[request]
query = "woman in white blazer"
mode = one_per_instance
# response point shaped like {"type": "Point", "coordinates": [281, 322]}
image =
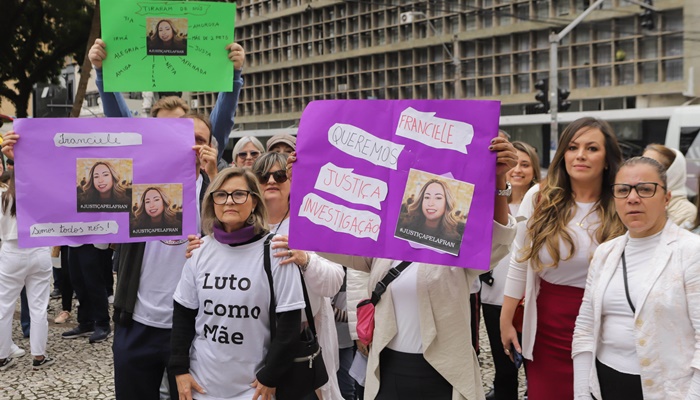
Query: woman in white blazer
{"type": "Point", "coordinates": [638, 329]}
{"type": "Point", "coordinates": [421, 348]}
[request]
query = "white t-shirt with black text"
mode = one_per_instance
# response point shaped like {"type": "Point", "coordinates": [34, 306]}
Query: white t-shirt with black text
{"type": "Point", "coordinates": [229, 287]}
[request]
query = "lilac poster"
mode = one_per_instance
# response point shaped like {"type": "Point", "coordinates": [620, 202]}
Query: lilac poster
{"type": "Point", "coordinates": [99, 180]}
{"type": "Point", "coordinates": [400, 179]}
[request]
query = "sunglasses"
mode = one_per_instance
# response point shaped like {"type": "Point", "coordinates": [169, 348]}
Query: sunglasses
{"type": "Point", "coordinates": [279, 177]}
{"type": "Point", "coordinates": [245, 154]}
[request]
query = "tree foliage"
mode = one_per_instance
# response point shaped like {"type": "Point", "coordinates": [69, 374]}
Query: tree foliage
{"type": "Point", "coordinates": [38, 35]}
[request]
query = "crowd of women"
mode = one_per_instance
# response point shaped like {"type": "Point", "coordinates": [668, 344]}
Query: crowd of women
{"type": "Point", "coordinates": [595, 281]}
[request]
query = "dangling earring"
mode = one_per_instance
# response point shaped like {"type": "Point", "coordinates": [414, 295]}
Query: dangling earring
{"type": "Point", "coordinates": [251, 218]}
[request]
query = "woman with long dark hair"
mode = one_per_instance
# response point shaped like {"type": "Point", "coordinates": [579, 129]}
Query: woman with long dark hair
{"type": "Point", "coordinates": [166, 37]}
{"type": "Point", "coordinates": [565, 218]}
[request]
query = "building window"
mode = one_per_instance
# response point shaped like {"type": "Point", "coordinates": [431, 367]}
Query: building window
{"type": "Point", "coordinates": [583, 79]}
{"type": "Point", "coordinates": [603, 76]}
{"type": "Point", "coordinates": [650, 72]}
{"type": "Point", "coordinates": [625, 74]}
{"type": "Point", "coordinates": [673, 70]}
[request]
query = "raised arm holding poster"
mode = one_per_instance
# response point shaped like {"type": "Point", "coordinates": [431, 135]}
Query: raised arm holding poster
{"type": "Point", "coordinates": [407, 180]}
{"type": "Point", "coordinates": [104, 180]}
{"type": "Point", "coordinates": [163, 46]}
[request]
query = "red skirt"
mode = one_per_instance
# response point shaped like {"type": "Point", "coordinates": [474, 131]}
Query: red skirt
{"type": "Point", "coordinates": [550, 376]}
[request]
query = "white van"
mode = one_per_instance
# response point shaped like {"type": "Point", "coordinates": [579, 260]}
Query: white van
{"type": "Point", "coordinates": [682, 134]}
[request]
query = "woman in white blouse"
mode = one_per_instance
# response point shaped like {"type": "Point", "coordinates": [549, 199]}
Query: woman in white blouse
{"type": "Point", "coordinates": [637, 332]}
{"type": "Point", "coordinates": [566, 217]}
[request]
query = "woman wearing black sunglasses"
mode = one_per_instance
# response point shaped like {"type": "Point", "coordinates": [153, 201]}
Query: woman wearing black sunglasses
{"type": "Point", "coordinates": [323, 278]}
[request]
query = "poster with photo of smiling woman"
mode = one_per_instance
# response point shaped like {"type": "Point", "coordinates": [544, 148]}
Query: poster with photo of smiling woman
{"type": "Point", "coordinates": [104, 184]}
{"type": "Point", "coordinates": [434, 211]}
{"type": "Point", "coordinates": [156, 211]}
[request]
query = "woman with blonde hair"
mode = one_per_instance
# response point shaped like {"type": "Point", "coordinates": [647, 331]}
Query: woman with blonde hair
{"type": "Point", "coordinates": [522, 177]}
{"type": "Point", "coordinates": [680, 210]}
{"type": "Point", "coordinates": [231, 355]}
{"type": "Point", "coordinates": [104, 186]}
{"type": "Point", "coordinates": [154, 210]}
{"type": "Point", "coordinates": [433, 212]}
{"type": "Point", "coordinates": [246, 151]}
{"type": "Point", "coordinates": [565, 217]}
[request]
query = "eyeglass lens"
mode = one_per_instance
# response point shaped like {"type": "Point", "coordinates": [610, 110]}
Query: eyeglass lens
{"type": "Point", "coordinates": [220, 197]}
{"type": "Point", "coordinates": [644, 190]}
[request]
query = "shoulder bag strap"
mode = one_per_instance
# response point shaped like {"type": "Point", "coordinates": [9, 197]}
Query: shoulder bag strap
{"type": "Point", "coordinates": [273, 302]}
{"type": "Point", "coordinates": [268, 272]}
{"type": "Point", "coordinates": [307, 308]}
{"type": "Point", "coordinates": [392, 274]}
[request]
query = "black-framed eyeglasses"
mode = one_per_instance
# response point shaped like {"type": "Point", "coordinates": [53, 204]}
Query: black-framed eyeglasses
{"type": "Point", "coordinates": [280, 176]}
{"type": "Point", "coordinates": [245, 154]}
{"type": "Point", "coordinates": [643, 189]}
{"type": "Point", "coordinates": [220, 197]}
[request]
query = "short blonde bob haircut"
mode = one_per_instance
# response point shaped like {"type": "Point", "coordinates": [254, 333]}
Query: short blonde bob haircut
{"type": "Point", "coordinates": [258, 218]}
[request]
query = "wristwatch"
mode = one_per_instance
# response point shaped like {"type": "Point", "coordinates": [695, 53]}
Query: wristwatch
{"type": "Point", "coordinates": [505, 192]}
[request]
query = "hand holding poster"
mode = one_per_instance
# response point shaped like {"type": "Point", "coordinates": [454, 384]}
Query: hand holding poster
{"type": "Point", "coordinates": [167, 45]}
{"type": "Point", "coordinates": [409, 180]}
{"type": "Point", "coordinates": [109, 180]}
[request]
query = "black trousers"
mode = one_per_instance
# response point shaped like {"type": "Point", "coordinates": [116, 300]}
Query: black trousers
{"type": "Point", "coordinates": [141, 354]}
{"type": "Point", "coordinates": [66, 285]}
{"type": "Point", "coordinates": [405, 376]}
{"type": "Point", "coordinates": [87, 264]}
{"type": "Point", "coordinates": [505, 383]}
{"type": "Point", "coordinates": [618, 385]}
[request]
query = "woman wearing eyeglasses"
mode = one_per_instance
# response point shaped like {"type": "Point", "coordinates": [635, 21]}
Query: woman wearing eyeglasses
{"type": "Point", "coordinates": [246, 151]}
{"type": "Point", "coordinates": [637, 334]}
{"type": "Point", "coordinates": [323, 278]}
{"type": "Point", "coordinates": [221, 344]}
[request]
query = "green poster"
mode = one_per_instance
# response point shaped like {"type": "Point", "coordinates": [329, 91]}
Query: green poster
{"type": "Point", "coordinates": [167, 46]}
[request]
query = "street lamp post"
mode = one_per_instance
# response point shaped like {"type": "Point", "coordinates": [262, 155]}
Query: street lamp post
{"type": "Point", "coordinates": [453, 57]}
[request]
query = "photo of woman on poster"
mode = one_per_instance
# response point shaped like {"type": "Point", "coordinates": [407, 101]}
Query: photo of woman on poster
{"type": "Point", "coordinates": [103, 190]}
{"type": "Point", "coordinates": [156, 214]}
{"type": "Point", "coordinates": [166, 39]}
{"type": "Point", "coordinates": [432, 219]}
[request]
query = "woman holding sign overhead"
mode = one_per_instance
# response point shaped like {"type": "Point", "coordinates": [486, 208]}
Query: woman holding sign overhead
{"type": "Point", "coordinates": [421, 347]}
{"type": "Point", "coordinates": [566, 217]}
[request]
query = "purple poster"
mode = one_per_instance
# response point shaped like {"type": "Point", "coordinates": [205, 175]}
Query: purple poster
{"type": "Point", "coordinates": [400, 179]}
{"type": "Point", "coordinates": [99, 180]}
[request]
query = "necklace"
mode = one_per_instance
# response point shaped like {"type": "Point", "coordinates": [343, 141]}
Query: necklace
{"type": "Point", "coordinates": [282, 220]}
{"type": "Point", "coordinates": [580, 223]}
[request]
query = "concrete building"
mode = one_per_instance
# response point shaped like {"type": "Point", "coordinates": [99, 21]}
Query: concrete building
{"type": "Point", "coordinates": [304, 50]}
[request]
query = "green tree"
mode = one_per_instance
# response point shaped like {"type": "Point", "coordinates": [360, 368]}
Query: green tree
{"type": "Point", "coordinates": [37, 36]}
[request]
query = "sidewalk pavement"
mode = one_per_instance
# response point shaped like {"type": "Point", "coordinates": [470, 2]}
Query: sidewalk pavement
{"type": "Point", "coordinates": [86, 371]}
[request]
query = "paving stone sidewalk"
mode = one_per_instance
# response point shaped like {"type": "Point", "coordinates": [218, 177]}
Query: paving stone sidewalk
{"type": "Point", "coordinates": [86, 371]}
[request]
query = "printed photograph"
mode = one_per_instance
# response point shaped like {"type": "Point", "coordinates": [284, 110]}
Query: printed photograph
{"type": "Point", "coordinates": [156, 210]}
{"type": "Point", "coordinates": [104, 184]}
{"type": "Point", "coordinates": [166, 36]}
{"type": "Point", "coordinates": [434, 211]}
